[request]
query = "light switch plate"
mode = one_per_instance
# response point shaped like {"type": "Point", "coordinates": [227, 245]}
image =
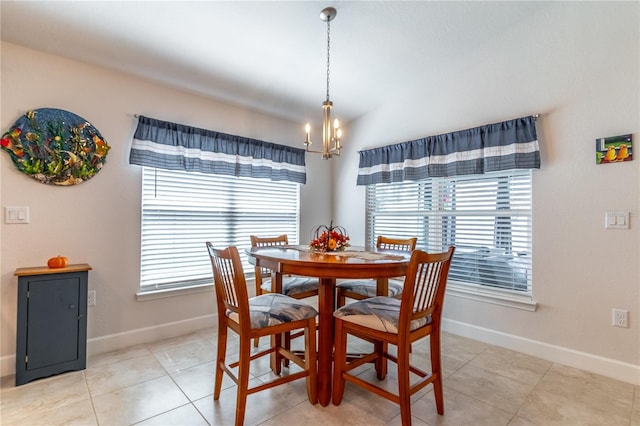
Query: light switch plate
{"type": "Point", "coordinates": [16, 215]}
{"type": "Point", "coordinates": [616, 220]}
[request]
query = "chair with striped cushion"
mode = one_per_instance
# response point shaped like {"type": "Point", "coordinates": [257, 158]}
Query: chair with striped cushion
{"type": "Point", "coordinates": [389, 321]}
{"type": "Point", "coordinates": [264, 315]}
{"type": "Point", "coordinates": [363, 289]}
{"type": "Point", "coordinates": [296, 287]}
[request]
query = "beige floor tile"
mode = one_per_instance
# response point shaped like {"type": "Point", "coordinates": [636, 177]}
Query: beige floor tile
{"type": "Point", "coordinates": [361, 400]}
{"type": "Point", "coordinates": [459, 409]}
{"type": "Point", "coordinates": [197, 382]}
{"type": "Point", "coordinates": [635, 413]}
{"type": "Point", "coordinates": [261, 406]}
{"type": "Point", "coordinates": [517, 366]}
{"type": "Point", "coordinates": [78, 413]}
{"type": "Point", "coordinates": [567, 395]}
{"type": "Point", "coordinates": [346, 414]}
{"type": "Point", "coordinates": [461, 348]}
{"type": "Point", "coordinates": [421, 358]}
{"type": "Point", "coordinates": [390, 383]}
{"type": "Point", "coordinates": [107, 358]}
{"type": "Point", "coordinates": [301, 414]}
{"type": "Point", "coordinates": [138, 402]}
{"type": "Point", "coordinates": [175, 342]}
{"type": "Point", "coordinates": [117, 375]}
{"type": "Point", "coordinates": [190, 353]}
{"type": "Point", "coordinates": [187, 415]}
{"type": "Point", "coordinates": [519, 421]}
{"type": "Point", "coordinates": [551, 409]}
{"type": "Point", "coordinates": [496, 390]}
{"type": "Point", "coordinates": [42, 395]}
{"type": "Point", "coordinates": [414, 421]}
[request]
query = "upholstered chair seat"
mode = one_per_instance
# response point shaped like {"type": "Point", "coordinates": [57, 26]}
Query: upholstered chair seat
{"type": "Point", "coordinates": [363, 289]}
{"type": "Point", "coordinates": [368, 288]}
{"type": "Point", "coordinates": [293, 286]}
{"type": "Point", "coordinates": [273, 309]}
{"type": "Point", "coordinates": [378, 313]}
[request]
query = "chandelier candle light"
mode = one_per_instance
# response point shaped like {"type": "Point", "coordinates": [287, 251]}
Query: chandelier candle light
{"type": "Point", "coordinates": [330, 134]}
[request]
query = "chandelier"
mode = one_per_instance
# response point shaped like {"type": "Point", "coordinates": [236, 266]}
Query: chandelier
{"type": "Point", "coordinates": [331, 134]}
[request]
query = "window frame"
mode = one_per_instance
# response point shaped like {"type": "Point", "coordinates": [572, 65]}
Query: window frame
{"type": "Point", "coordinates": [435, 207]}
{"type": "Point", "coordinates": [248, 206]}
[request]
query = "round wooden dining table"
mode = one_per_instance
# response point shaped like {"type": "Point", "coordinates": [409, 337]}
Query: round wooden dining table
{"type": "Point", "coordinates": [353, 263]}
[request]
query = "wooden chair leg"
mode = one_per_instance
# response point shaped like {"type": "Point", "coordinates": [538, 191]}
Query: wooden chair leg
{"type": "Point", "coordinates": [243, 379]}
{"type": "Point", "coordinates": [256, 342]}
{"type": "Point", "coordinates": [286, 343]}
{"type": "Point", "coordinates": [276, 356]}
{"type": "Point", "coordinates": [310, 361]}
{"type": "Point", "coordinates": [436, 370]}
{"type": "Point", "coordinates": [339, 361]}
{"type": "Point", "coordinates": [381, 362]}
{"type": "Point", "coordinates": [341, 300]}
{"type": "Point", "coordinates": [220, 360]}
{"type": "Point", "coordinates": [404, 392]}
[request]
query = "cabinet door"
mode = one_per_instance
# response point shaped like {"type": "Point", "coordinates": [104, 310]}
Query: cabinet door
{"type": "Point", "coordinates": [53, 327]}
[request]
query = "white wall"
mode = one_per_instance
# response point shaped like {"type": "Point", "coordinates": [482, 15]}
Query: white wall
{"type": "Point", "coordinates": [576, 63]}
{"type": "Point", "coordinates": [98, 222]}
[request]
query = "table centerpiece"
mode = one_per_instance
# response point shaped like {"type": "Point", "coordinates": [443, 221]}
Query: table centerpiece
{"type": "Point", "coordinates": [329, 238]}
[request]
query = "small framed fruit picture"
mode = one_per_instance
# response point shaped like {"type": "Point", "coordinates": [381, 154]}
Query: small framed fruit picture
{"type": "Point", "coordinates": [614, 149]}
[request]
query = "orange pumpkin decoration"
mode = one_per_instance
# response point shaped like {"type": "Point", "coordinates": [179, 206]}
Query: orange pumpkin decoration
{"type": "Point", "coordinates": [57, 262]}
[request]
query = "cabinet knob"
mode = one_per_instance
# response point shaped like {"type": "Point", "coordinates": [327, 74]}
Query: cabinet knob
{"type": "Point", "coordinates": [72, 306]}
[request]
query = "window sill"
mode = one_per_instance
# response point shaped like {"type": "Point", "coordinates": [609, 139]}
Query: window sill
{"type": "Point", "coordinates": [144, 296]}
{"type": "Point", "coordinates": [494, 296]}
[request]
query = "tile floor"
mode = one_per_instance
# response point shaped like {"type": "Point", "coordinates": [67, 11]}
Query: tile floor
{"type": "Point", "coordinates": [170, 382]}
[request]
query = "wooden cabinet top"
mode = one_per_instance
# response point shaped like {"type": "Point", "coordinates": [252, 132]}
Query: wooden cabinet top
{"type": "Point", "coordinates": [43, 270]}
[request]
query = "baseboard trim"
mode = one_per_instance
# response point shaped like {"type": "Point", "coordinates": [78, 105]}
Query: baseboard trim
{"type": "Point", "coordinates": [128, 338]}
{"type": "Point", "coordinates": [138, 336]}
{"type": "Point", "coordinates": [584, 361]}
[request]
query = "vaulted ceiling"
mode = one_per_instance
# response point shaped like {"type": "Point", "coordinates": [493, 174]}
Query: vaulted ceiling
{"type": "Point", "coordinates": [271, 55]}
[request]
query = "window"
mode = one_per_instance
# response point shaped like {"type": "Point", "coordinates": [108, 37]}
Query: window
{"type": "Point", "coordinates": [487, 217]}
{"type": "Point", "coordinates": [182, 210]}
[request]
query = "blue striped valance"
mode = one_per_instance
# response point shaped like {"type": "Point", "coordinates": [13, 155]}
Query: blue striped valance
{"type": "Point", "coordinates": [172, 146]}
{"type": "Point", "coordinates": [507, 145]}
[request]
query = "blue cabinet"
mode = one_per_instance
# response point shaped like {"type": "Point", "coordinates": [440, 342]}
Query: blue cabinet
{"type": "Point", "coordinates": [52, 321]}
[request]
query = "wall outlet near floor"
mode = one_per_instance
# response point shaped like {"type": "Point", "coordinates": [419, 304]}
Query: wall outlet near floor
{"type": "Point", "coordinates": [620, 318]}
{"type": "Point", "coordinates": [91, 298]}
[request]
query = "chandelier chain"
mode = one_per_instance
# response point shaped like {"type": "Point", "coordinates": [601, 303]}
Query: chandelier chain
{"type": "Point", "coordinates": [328, 57]}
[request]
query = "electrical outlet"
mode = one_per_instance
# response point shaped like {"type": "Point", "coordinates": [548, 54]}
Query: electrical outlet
{"type": "Point", "coordinates": [91, 298]}
{"type": "Point", "coordinates": [620, 318]}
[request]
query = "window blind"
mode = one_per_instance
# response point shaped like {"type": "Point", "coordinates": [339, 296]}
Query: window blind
{"type": "Point", "coordinates": [487, 217]}
{"type": "Point", "coordinates": [182, 210]}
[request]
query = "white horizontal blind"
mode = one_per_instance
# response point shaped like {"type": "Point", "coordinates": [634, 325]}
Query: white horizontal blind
{"type": "Point", "coordinates": [182, 210]}
{"type": "Point", "coordinates": [487, 217]}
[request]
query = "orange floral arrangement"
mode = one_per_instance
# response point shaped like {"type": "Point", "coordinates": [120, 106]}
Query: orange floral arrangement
{"type": "Point", "coordinates": [329, 238]}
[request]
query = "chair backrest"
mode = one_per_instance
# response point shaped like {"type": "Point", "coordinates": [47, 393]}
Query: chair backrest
{"type": "Point", "coordinates": [229, 281]}
{"type": "Point", "coordinates": [424, 287]}
{"type": "Point", "coordinates": [408, 244]}
{"type": "Point", "coordinates": [280, 240]}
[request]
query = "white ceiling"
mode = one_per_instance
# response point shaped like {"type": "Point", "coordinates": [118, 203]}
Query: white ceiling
{"type": "Point", "coordinates": [271, 55]}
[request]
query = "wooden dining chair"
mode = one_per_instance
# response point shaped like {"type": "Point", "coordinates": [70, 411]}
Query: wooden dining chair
{"type": "Point", "coordinates": [296, 287]}
{"type": "Point", "coordinates": [264, 315]}
{"type": "Point", "coordinates": [363, 289]}
{"type": "Point", "coordinates": [389, 321]}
